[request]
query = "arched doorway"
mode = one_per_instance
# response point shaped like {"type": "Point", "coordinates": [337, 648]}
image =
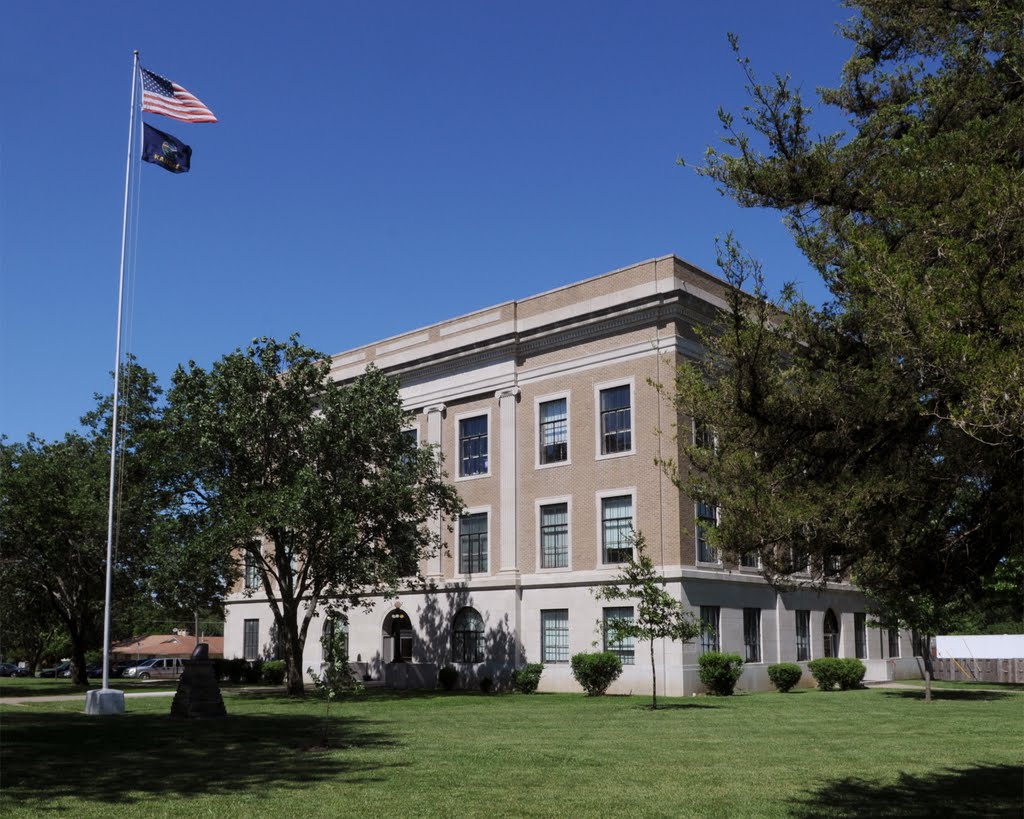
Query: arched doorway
{"type": "Point", "coordinates": [397, 637]}
{"type": "Point", "coordinates": [830, 632]}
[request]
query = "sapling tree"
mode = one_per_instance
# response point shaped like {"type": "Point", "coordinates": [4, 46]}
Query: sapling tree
{"type": "Point", "coordinates": [657, 614]}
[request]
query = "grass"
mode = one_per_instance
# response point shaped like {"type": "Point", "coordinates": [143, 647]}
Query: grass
{"type": "Point", "coordinates": [803, 754]}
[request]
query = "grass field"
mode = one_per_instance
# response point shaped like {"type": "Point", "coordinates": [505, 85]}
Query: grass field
{"type": "Point", "coordinates": [803, 754]}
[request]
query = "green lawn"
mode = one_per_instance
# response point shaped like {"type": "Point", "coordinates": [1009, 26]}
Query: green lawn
{"type": "Point", "coordinates": [804, 754]}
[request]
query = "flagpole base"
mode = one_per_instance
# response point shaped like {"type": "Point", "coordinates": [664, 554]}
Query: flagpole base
{"type": "Point", "coordinates": [102, 701]}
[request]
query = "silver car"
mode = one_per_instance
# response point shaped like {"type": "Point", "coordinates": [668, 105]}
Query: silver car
{"type": "Point", "coordinates": [157, 668]}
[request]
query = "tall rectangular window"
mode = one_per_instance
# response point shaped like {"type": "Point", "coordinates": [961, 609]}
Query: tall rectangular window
{"type": "Point", "coordinates": [709, 621]}
{"type": "Point", "coordinates": [707, 516]}
{"type": "Point", "coordinates": [473, 543]}
{"type": "Point", "coordinates": [554, 536]}
{"type": "Point", "coordinates": [860, 635]}
{"type": "Point", "coordinates": [473, 446]}
{"type": "Point", "coordinates": [803, 635]}
{"type": "Point", "coordinates": [554, 431]}
{"type": "Point", "coordinates": [752, 635]}
{"type": "Point", "coordinates": [617, 528]}
{"type": "Point", "coordinates": [750, 560]}
{"type": "Point", "coordinates": [616, 420]}
{"type": "Point", "coordinates": [703, 435]}
{"type": "Point", "coordinates": [252, 575]}
{"type": "Point", "coordinates": [894, 642]}
{"type": "Point", "coordinates": [623, 646]}
{"type": "Point", "coordinates": [251, 639]}
{"type": "Point", "coordinates": [554, 636]}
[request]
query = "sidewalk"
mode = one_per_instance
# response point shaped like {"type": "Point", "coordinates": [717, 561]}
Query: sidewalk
{"type": "Point", "coordinates": [80, 696]}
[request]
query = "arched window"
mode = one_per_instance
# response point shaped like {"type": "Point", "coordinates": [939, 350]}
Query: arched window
{"type": "Point", "coordinates": [468, 637]}
{"type": "Point", "coordinates": [830, 632]}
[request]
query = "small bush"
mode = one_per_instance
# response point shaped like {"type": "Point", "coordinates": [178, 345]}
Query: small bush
{"type": "Point", "coordinates": [486, 684]}
{"type": "Point", "coordinates": [526, 679]}
{"type": "Point", "coordinates": [785, 676]}
{"type": "Point", "coordinates": [234, 669]}
{"type": "Point", "coordinates": [829, 672]}
{"type": "Point", "coordinates": [448, 677]}
{"type": "Point", "coordinates": [252, 672]}
{"type": "Point", "coordinates": [273, 672]}
{"type": "Point", "coordinates": [596, 671]}
{"type": "Point", "coordinates": [852, 673]}
{"type": "Point", "coordinates": [720, 672]}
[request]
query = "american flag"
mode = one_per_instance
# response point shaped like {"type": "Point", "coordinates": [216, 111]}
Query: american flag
{"type": "Point", "coordinates": [160, 96]}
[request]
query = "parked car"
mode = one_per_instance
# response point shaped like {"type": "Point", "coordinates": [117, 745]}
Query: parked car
{"type": "Point", "coordinates": [62, 670]}
{"type": "Point", "coordinates": [11, 670]}
{"type": "Point", "coordinates": [157, 668]}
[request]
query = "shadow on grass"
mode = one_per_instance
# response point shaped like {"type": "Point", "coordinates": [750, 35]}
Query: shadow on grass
{"type": "Point", "coordinates": [677, 706]}
{"type": "Point", "coordinates": [127, 759]}
{"type": "Point", "coordinates": [949, 694]}
{"type": "Point", "coordinates": [985, 790]}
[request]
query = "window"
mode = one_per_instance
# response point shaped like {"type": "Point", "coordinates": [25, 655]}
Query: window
{"type": "Point", "coordinates": [616, 426]}
{"type": "Point", "coordinates": [554, 431]}
{"type": "Point", "coordinates": [554, 636]}
{"type": "Point", "coordinates": [468, 637]}
{"type": "Point", "coordinates": [617, 528]}
{"type": "Point", "coordinates": [252, 574]}
{"type": "Point", "coordinates": [623, 647]}
{"type": "Point", "coordinates": [473, 543]}
{"type": "Point", "coordinates": [335, 636]}
{"type": "Point", "coordinates": [709, 619]}
{"type": "Point", "coordinates": [473, 446]}
{"type": "Point", "coordinates": [707, 516]}
{"type": "Point", "coordinates": [703, 435]}
{"type": "Point", "coordinates": [860, 635]}
{"type": "Point", "coordinates": [803, 635]}
{"type": "Point", "coordinates": [830, 634]}
{"type": "Point", "coordinates": [251, 639]}
{"type": "Point", "coordinates": [749, 560]}
{"type": "Point", "coordinates": [894, 642]}
{"type": "Point", "coordinates": [752, 635]}
{"type": "Point", "coordinates": [554, 536]}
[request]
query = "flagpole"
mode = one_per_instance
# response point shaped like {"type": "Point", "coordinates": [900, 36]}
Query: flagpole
{"type": "Point", "coordinates": [114, 703]}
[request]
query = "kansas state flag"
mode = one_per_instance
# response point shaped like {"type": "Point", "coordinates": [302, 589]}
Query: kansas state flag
{"type": "Point", "coordinates": [169, 152]}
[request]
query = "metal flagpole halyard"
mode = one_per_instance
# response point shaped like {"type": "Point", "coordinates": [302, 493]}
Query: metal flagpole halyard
{"type": "Point", "coordinates": [107, 701]}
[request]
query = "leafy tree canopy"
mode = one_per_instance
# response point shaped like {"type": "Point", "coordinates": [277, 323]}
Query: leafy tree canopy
{"type": "Point", "coordinates": [314, 485]}
{"type": "Point", "coordinates": [883, 433]}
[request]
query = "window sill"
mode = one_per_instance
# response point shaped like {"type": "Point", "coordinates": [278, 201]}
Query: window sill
{"type": "Point", "coordinates": [607, 456]}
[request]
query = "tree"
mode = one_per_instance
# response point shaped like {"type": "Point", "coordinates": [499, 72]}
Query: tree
{"type": "Point", "coordinates": [316, 485]}
{"type": "Point", "coordinates": [881, 435]}
{"type": "Point", "coordinates": [54, 499]}
{"type": "Point", "coordinates": [657, 614]}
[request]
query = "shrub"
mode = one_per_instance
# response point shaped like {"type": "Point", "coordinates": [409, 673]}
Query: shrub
{"type": "Point", "coordinates": [234, 669]}
{"type": "Point", "coordinates": [852, 673]}
{"type": "Point", "coordinates": [596, 671]}
{"type": "Point", "coordinates": [252, 672]}
{"type": "Point", "coordinates": [785, 676]}
{"type": "Point", "coordinates": [720, 672]}
{"type": "Point", "coordinates": [526, 679]}
{"type": "Point", "coordinates": [273, 672]}
{"type": "Point", "coordinates": [448, 677]}
{"type": "Point", "coordinates": [829, 672]}
{"type": "Point", "coordinates": [486, 684]}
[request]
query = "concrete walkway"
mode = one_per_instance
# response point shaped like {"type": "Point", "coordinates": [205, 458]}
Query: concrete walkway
{"type": "Point", "coordinates": [81, 696]}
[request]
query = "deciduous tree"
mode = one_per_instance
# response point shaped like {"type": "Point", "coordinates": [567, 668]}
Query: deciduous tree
{"type": "Point", "coordinates": [315, 484]}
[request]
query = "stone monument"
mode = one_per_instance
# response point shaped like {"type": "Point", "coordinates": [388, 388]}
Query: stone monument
{"type": "Point", "coordinates": [198, 695]}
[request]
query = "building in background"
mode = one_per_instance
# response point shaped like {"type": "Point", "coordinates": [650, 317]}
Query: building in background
{"type": "Point", "coordinates": [551, 429]}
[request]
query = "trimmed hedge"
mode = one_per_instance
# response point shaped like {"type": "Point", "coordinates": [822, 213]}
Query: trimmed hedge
{"type": "Point", "coordinates": [829, 672]}
{"type": "Point", "coordinates": [273, 672]}
{"type": "Point", "coordinates": [526, 679]}
{"type": "Point", "coordinates": [596, 671]}
{"type": "Point", "coordinates": [486, 684]}
{"type": "Point", "coordinates": [720, 672]}
{"type": "Point", "coordinates": [448, 677]}
{"type": "Point", "coordinates": [785, 676]}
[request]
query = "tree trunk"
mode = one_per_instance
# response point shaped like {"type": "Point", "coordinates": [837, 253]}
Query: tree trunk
{"type": "Point", "coordinates": [78, 673]}
{"type": "Point", "coordinates": [293, 648]}
{"type": "Point", "coordinates": [654, 680]}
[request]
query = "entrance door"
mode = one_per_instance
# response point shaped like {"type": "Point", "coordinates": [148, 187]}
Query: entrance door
{"type": "Point", "coordinates": [397, 637]}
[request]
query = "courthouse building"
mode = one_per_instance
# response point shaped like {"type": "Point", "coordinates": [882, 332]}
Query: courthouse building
{"type": "Point", "coordinates": [551, 431]}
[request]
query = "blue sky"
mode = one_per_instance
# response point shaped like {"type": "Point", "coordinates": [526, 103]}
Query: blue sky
{"type": "Point", "coordinates": [377, 167]}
